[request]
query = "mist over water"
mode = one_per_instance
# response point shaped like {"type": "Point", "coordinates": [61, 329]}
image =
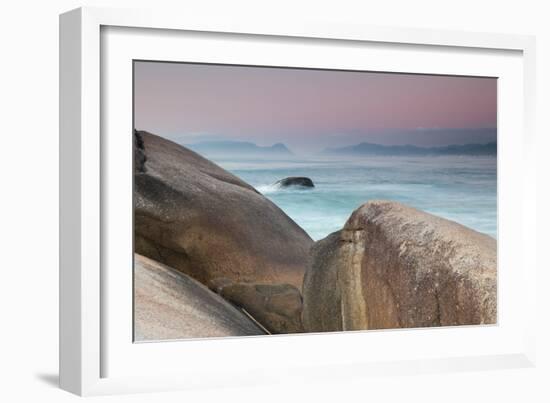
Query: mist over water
{"type": "Point", "coordinates": [459, 188]}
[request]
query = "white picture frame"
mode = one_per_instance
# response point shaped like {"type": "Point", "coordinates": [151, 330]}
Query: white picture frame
{"type": "Point", "coordinates": [96, 356]}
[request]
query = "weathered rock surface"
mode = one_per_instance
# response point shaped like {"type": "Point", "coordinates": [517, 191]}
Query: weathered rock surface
{"type": "Point", "coordinates": [198, 218]}
{"type": "Point", "coordinates": [170, 305]}
{"type": "Point", "coordinates": [277, 307]}
{"type": "Point", "coordinates": [393, 266]}
{"type": "Point", "coordinates": [298, 181]}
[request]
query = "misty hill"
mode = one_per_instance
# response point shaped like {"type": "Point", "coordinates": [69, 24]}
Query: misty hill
{"type": "Point", "coordinates": [239, 148]}
{"type": "Point", "coordinates": [396, 150]}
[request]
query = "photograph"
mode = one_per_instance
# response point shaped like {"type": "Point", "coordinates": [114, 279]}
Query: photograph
{"type": "Point", "coordinates": [272, 200]}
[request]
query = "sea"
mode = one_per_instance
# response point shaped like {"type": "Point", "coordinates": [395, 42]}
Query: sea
{"type": "Point", "coordinates": [459, 188]}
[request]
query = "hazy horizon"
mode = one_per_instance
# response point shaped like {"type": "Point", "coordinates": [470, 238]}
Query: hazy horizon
{"type": "Point", "coordinates": [310, 110]}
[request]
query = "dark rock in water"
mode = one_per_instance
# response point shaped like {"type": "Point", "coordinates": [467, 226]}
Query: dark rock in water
{"type": "Point", "coordinates": [393, 266]}
{"type": "Point", "coordinates": [170, 305]}
{"type": "Point", "coordinates": [194, 216]}
{"type": "Point", "coordinates": [277, 307]}
{"type": "Point", "coordinates": [300, 181]}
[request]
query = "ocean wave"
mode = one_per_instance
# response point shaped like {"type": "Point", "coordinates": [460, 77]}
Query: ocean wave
{"type": "Point", "coordinates": [276, 188]}
{"type": "Point", "coordinates": [268, 189]}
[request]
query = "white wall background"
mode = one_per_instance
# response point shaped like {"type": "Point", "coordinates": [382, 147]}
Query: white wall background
{"type": "Point", "coordinates": [29, 201]}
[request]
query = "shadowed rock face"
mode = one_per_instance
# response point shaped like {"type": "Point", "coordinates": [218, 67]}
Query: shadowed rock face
{"type": "Point", "coordinates": [277, 307]}
{"type": "Point", "coordinates": [393, 266]}
{"type": "Point", "coordinates": [295, 181]}
{"type": "Point", "coordinates": [170, 305]}
{"type": "Point", "coordinates": [198, 218]}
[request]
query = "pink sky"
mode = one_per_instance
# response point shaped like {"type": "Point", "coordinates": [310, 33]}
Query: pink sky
{"type": "Point", "coordinates": [306, 108]}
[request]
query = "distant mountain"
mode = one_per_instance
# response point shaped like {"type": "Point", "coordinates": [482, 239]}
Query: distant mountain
{"type": "Point", "coordinates": [239, 148]}
{"type": "Point", "coordinates": [379, 149]}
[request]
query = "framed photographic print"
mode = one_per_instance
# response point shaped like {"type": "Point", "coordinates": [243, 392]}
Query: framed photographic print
{"type": "Point", "coordinates": [240, 198]}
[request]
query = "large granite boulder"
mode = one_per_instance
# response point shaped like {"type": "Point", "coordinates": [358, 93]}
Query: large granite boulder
{"type": "Point", "coordinates": [170, 305]}
{"type": "Point", "coordinates": [393, 266]}
{"type": "Point", "coordinates": [277, 307]}
{"type": "Point", "coordinates": [198, 218]}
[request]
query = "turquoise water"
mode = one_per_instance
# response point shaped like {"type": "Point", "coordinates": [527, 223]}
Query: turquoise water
{"type": "Point", "coordinates": [460, 188]}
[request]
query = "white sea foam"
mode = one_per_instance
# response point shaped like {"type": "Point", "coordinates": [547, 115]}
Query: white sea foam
{"type": "Point", "coordinates": [268, 189]}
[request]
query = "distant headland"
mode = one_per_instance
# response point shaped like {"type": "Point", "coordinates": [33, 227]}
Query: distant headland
{"type": "Point", "coordinates": [396, 150]}
{"type": "Point", "coordinates": [239, 148]}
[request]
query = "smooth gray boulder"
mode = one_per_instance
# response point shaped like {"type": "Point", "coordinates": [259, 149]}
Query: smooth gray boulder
{"type": "Point", "coordinates": [198, 218]}
{"type": "Point", "coordinates": [393, 266]}
{"type": "Point", "coordinates": [170, 305]}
